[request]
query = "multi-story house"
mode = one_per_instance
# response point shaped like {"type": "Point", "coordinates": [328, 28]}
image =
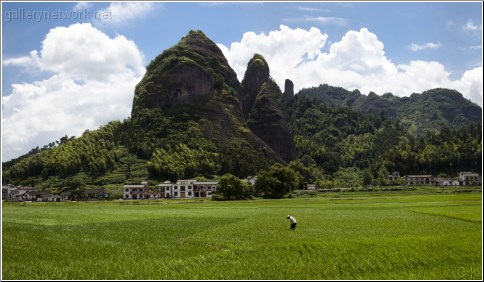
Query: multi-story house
{"type": "Point", "coordinates": [187, 188]}
{"type": "Point", "coordinates": [204, 189]}
{"type": "Point", "coordinates": [139, 191]}
{"type": "Point", "coordinates": [8, 192]}
{"type": "Point", "coordinates": [420, 180]}
{"type": "Point", "coordinates": [469, 178]}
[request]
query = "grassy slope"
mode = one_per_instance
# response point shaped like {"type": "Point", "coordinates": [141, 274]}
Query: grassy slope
{"type": "Point", "coordinates": [339, 236]}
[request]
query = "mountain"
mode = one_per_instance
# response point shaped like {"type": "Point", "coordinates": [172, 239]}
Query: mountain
{"type": "Point", "coordinates": [261, 101]}
{"type": "Point", "coordinates": [193, 82]}
{"type": "Point", "coordinates": [431, 110]}
{"type": "Point", "coordinates": [191, 117]}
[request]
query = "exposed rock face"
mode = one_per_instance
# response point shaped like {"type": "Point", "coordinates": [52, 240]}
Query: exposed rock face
{"type": "Point", "coordinates": [188, 74]}
{"type": "Point", "coordinates": [288, 95]}
{"type": "Point", "coordinates": [267, 122]}
{"type": "Point", "coordinates": [262, 108]}
{"type": "Point", "coordinates": [194, 80]}
{"type": "Point", "coordinates": [257, 73]}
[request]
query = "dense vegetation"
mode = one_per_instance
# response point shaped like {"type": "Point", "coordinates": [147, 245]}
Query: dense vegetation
{"type": "Point", "coordinates": [445, 152]}
{"type": "Point", "coordinates": [230, 187]}
{"type": "Point", "coordinates": [431, 110]}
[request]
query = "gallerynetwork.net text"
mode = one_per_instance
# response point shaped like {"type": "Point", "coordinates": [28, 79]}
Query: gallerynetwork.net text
{"type": "Point", "coordinates": [40, 15]}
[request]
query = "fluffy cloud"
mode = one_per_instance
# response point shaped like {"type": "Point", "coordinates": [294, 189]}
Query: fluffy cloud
{"type": "Point", "coordinates": [285, 49]}
{"type": "Point", "coordinates": [357, 61]}
{"type": "Point", "coordinates": [92, 83]}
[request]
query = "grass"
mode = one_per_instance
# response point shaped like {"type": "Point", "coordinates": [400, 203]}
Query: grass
{"type": "Point", "coordinates": [339, 236]}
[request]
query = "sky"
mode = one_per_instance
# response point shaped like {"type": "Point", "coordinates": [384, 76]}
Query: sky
{"type": "Point", "coordinates": [72, 66]}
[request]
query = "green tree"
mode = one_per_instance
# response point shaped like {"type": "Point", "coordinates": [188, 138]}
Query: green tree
{"type": "Point", "coordinates": [382, 176]}
{"type": "Point", "coordinates": [276, 182]}
{"type": "Point", "coordinates": [232, 188]}
{"type": "Point", "coordinates": [367, 177]}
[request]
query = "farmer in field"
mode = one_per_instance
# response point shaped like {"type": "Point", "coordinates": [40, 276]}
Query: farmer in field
{"type": "Point", "coordinates": [293, 222]}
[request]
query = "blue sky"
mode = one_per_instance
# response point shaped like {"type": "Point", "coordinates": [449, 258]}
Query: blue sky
{"type": "Point", "coordinates": [377, 46]}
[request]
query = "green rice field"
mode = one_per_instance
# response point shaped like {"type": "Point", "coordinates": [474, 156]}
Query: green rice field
{"type": "Point", "coordinates": [338, 236]}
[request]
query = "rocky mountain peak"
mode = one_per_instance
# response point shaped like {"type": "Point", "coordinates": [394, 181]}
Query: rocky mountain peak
{"type": "Point", "coordinates": [288, 94]}
{"type": "Point", "coordinates": [261, 104]}
{"type": "Point", "coordinates": [256, 74]}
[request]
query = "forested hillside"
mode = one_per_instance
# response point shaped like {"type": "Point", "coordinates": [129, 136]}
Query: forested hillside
{"type": "Point", "coordinates": [431, 110]}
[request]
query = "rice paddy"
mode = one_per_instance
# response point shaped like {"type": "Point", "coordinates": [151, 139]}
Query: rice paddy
{"type": "Point", "coordinates": [338, 236]}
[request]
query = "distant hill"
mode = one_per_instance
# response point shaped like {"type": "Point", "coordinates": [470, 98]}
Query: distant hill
{"type": "Point", "coordinates": [431, 110]}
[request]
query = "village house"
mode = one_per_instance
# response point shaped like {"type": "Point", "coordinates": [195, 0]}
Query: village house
{"type": "Point", "coordinates": [204, 189]}
{"type": "Point", "coordinates": [38, 196]}
{"type": "Point", "coordinates": [181, 189]}
{"type": "Point", "coordinates": [187, 188]}
{"type": "Point", "coordinates": [469, 178]}
{"type": "Point", "coordinates": [135, 192]}
{"type": "Point", "coordinates": [12, 193]}
{"type": "Point", "coordinates": [8, 192]}
{"type": "Point", "coordinates": [20, 193]}
{"type": "Point", "coordinates": [420, 180]}
{"type": "Point", "coordinates": [65, 196]}
{"type": "Point", "coordinates": [164, 189]}
{"type": "Point", "coordinates": [443, 181]}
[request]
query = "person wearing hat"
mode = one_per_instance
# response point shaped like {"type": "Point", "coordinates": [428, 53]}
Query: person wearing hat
{"type": "Point", "coordinates": [293, 221]}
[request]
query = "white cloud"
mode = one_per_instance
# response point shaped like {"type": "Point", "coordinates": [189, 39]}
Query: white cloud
{"type": "Point", "coordinates": [120, 13]}
{"type": "Point", "coordinates": [43, 111]}
{"type": "Point", "coordinates": [470, 26]}
{"type": "Point", "coordinates": [470, 84]}
{"type": "Point", "coordinates": [285, 49]}
{"type": "Point", "coordinates": [357, 61]}
{"type": "Point", "coordinates": [320, 20]}
{"type": "Point", "coordinates": [327, 20]}
{"type": "Point", "coordinates": [311, 9]}
{"type": "Point", "coordinates": [19, 61]}
{"type": "Point", "coordinates": [70, 51]}
{"type": "Point", "coordinates": [418, 47]}
{"type": "Point", "coordinates": [29, 64]}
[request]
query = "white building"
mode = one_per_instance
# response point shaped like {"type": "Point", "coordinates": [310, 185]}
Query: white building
{"type": "Point", "coordinates": [187, 188]}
